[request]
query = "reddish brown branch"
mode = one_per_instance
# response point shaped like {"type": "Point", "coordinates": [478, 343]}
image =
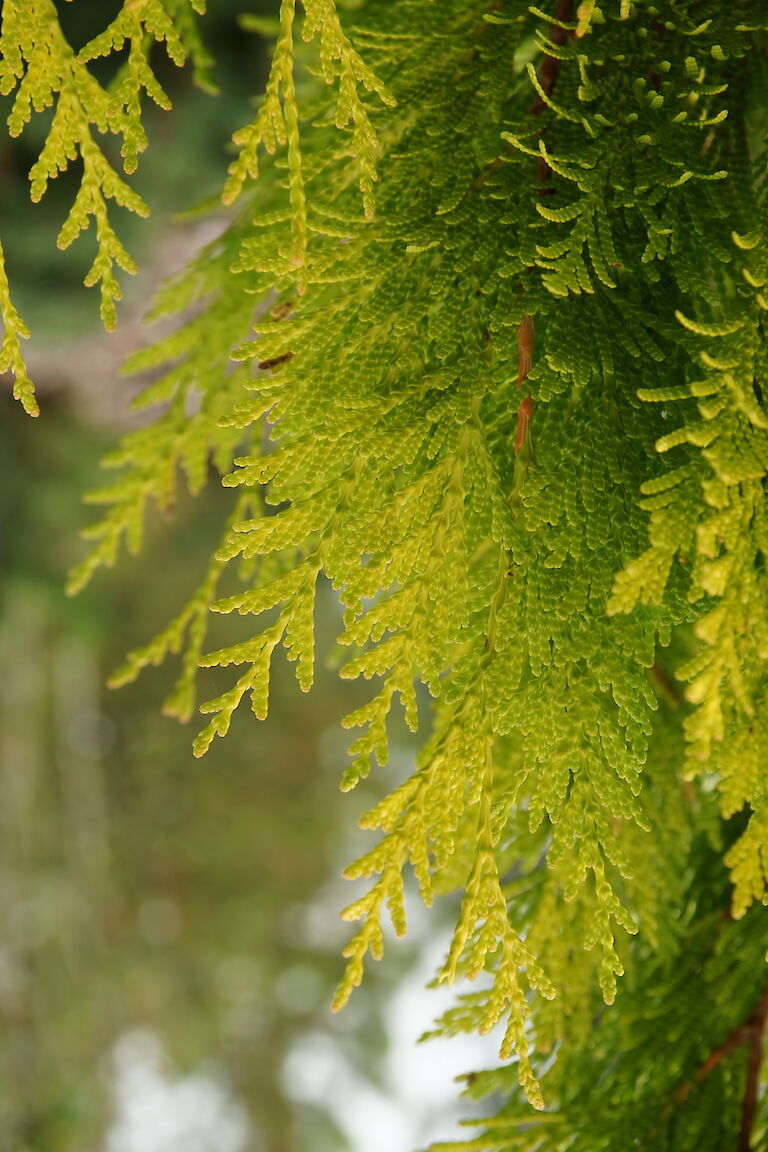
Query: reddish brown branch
{"type": "Point", "coordinates": [738, 1037]}
{"type": "Point", "coordinates": [549, 70]}
{"type": "Point", "coordinates": [753, 1034]}
{"type": "Point", "coordinates": [757, 1025]}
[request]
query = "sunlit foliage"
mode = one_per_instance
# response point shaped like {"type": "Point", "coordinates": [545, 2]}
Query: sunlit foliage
{"type": "Point", "coordinates": [499, 295]}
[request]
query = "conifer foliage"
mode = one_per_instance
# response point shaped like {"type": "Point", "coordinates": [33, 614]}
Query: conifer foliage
{"type": "Point", "coordinates": [499, 296]}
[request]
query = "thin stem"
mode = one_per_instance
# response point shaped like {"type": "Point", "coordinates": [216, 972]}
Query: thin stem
{"type": "Point", "coordinates": [738, 1037]}
{"type": "Point", "coordinates": [753, 1034]}
{"type": "Point", "coordinates": [757, 1025]}
{"type": "Point", "coordinates": [549, 70]}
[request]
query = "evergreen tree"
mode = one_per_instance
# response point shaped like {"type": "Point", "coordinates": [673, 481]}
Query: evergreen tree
{"type": "Point", "coordinates": [498, 295]}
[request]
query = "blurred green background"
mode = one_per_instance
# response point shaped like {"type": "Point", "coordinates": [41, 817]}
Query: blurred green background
{"type": "Point", "coordinates": [141, 888]}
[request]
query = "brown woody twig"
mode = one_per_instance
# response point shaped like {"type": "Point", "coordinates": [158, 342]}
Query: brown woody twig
{"type": "Point", "coordinates": [549, 70]}
{"type": "Point", "coordinates": [753, 1034]}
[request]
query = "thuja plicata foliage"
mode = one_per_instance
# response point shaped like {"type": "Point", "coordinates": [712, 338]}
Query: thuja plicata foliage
{"type": "Point", "coordinates": [483, 346]}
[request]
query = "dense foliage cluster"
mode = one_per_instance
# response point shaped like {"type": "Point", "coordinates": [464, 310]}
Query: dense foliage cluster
{"type": "Point", "coordinates": [500, 297]}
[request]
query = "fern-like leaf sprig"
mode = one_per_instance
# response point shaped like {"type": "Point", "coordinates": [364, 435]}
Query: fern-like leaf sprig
{"type": "Point", "coordinates": [42, 68]}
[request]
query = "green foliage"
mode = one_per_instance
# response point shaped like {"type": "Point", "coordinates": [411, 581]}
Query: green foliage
{"type": "Point", "coordinates": [11, 358]}
{"type": "Point", "coordinates": [500, 298]}
{"type": "Point", "coordinates": [39, 65]}
{"type": "Point", "coordinates": [121, 824]}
